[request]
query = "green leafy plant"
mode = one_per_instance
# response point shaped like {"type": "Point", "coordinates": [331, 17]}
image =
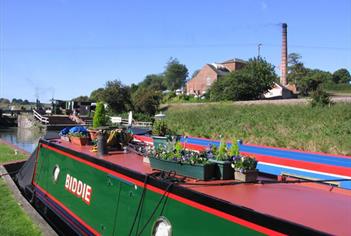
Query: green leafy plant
{"type": "Point", "coordinates": [222, 151]}
{"type": "Point", "coordinates": [100, 118]}
{"type": "Point", "coordinates": [173, 151]}
{"type": "Point", "coordinates": [234, 149]}
{"type": "Point", "coordinates": [160, 128]}
{"type": "Point", "coordinates": [320, 98]}
{"type": "Point", "coordinates": [78, 135]}
{"type": "Point", "coordinates": [244, 164]}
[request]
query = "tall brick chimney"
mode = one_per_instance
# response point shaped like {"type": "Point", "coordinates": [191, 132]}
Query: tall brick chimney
{"type": "Point", "coordinates": [284, 62]}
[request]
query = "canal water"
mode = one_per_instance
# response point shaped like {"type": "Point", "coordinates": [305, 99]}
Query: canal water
{"type": "Point", "coordinates": [26, 139]}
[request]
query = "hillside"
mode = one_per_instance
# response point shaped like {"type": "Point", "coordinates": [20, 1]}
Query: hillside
{"type": "Point", "coordinates": [320, 129]}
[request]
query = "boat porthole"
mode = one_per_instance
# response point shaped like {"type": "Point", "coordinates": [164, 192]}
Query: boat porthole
{"type": "Point", "coordinates": [162, 227]}
{"type": "Point", "coordinates": [56, 173]}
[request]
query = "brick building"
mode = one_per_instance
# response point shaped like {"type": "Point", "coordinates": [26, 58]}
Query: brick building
{"type": "Point", "coordinates": [209, 73]}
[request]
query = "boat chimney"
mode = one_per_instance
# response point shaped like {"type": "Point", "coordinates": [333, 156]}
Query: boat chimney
{"type": "Point", "coordinates": [284, 60]}
{"type": "Point", "coordinates": [101, 143]}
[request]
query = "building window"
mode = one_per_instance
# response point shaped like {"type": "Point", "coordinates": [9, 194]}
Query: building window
{"type": "Point", "coordinates": [208, 81]}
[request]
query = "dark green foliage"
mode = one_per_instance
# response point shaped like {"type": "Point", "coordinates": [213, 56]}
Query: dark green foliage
{"type": "Point", "coordinates": [100, 118]}
{"type": "Point", "coordinates": [154, 82]}
{"type": "Point", "coordinates": [245, 164]}
{"type": "Point", "coordinates": [296, 69]}
{"type": "Point", "coordinates": [146, 100]}
{"type": "Point", "coordinates": [81, 99]}
{"type": "Point", "coordinates": [320, 98]}
{"type": "Point", "coordinates": [175, 74]}
{"type": "Point", "coordinates": [312, 80]}
{"type": "Point", "coordinates": [307, 80]}
{"type": "Point", "coordinates": [160, 128]}
{"type": "Point", "coordinates": [117, 96]}
{"type": "Point", "coordinates": [246, 84]}
{"type": "Point", "coordinates": [4, 101]}
{"type": "Point", "coordinates": [342, 76]}
{"type": "Point", "coordinates": [15, 101]}
{"type": "Point", "coordinates": [97, 95]}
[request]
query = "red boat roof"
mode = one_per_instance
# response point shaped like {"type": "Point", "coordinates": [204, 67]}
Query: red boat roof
{"type": "Point", "coordinates": [317, 206]}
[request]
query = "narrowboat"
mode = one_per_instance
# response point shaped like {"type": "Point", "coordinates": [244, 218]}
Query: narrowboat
{"type": "Point", "coordinates": [118, 193]}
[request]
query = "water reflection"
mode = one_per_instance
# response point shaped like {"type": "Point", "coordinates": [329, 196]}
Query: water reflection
{"type": "Point", "coordinates": [26, 139]}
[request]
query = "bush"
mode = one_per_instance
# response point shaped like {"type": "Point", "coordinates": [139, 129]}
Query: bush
{"type": "Point", "coordinates": [320, 98]}
{"type": "Point", "coordinates": [249, 83]}
{"type": "Point", "coordinates": [100, 118]}
{"type": "Point", "coordinates": [160, 128]}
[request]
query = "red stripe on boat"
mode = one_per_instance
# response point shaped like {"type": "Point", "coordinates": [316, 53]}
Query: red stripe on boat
{"type": "Point", "coordinates": [66, 209]}
{"type": "Point", "coordinates": [302, 164]}
{"type": "Point", "coordinates": [170, 195]}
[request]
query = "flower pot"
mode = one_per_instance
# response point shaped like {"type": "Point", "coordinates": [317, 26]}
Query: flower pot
{"type": "Point", "coordinates": [93, 134]}
{"type": "Point", "coordinates": [248, 176]}
{"type": "Point", "coordinates": [223, 169]}
{"type": "Point", "coordinates": [197, 171]}
{"type": "Point", "coordinates": [81, 141]}
{"type": "Point", "coordinates": [65, 138]}
{"type": "Point", "coordinates": [159, 140]}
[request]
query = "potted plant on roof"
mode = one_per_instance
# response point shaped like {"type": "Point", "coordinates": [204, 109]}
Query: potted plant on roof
{"type": "Point", "coordinates": [172, 157]}
{"type": "Point", "coordinates": [99, 120]}
{"type": "Point", "coordinates": [160, 133]}
{"type": "Point", "coordinates": [223, 159]}
{"type": "Point", "coordinates": [245, 169]}
{"type": "Point", "coordinates": [78, 138]}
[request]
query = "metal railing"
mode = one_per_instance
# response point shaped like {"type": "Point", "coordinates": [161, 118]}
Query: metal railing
{"type": "Point", "coordinates": [42, 119]}
{"type": "Point", "coordinates": [142, 124]}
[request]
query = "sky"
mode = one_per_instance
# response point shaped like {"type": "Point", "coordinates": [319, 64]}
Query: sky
{"type": "Point", "coordinates": [67, 48]}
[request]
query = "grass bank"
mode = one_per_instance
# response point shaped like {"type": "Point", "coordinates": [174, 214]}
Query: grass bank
{"type": "Point", "coordinates": [8, 154]}
{"type": "Point", "coordinates": [324, 129]}
{"type": "Point", "coordinates": [13, 220]}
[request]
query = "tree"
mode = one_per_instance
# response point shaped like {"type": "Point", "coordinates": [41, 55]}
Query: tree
{"type": "Point", "coordinates": [154, 81]}
{"type": "Point", "coordinates": [97, 95]}
{"type": "Point", "coordinates": [312, 80]}
{"type": "Point", "coordinates": [117, 96]}
{"type": "Point", "coordinates": [100, 118]}
{"type": "Point", "coordinates": [175, 74]}
{"type": "Point", "coordinates": [81, 99]}
{"type": "Point", "coordinates": [342, 76]}
{"type": "Point", "coordinates": [249, 83]}
{"type": "Point", "coordinates": [296, 69]}
{"type": "Point", "coordinates": [146, 100]}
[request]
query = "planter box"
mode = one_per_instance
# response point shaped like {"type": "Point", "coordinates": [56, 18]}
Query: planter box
{"type": "Point", "coordinates": [159, 140]}
{"type": "Point", "coordinates": [223, 169]}
{"type": "Point", "coordinates": [249, 176]}
{"type": "Point", "coordinates": [201, 172]}
{"type": "Point", "coordinates": [81, 141]}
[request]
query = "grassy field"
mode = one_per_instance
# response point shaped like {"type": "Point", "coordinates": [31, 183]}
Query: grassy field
{"type": "Point", "coordinates": [323, 129]}
{"type": "Point", "coordinates": [9, 154]}
{"type": "Point", "coordinates": [13, 220]}
{"type": "Point", "coordinates": [338, 89]}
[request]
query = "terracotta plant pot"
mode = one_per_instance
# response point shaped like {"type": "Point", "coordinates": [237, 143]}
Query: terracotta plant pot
{"type": "Point", "coordinates": [248, 176]}
{"type": "Point", "coordinates": [81, 141]}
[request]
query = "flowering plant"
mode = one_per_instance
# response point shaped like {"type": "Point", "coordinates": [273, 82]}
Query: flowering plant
{"type": "Point", "coordinates": [244, 164]}
{"type": "Point", "coordinates": [174, 151]}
